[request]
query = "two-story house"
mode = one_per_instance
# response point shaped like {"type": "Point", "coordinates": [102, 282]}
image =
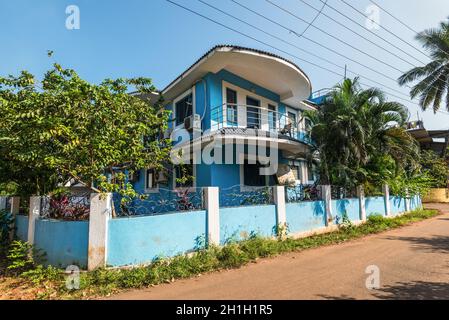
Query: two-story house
{"type": "Point", "coordinates": [243, 99]}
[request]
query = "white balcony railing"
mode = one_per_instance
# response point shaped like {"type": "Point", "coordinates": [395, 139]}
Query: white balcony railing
{"type": "Point", "coordinates": [254, 117]}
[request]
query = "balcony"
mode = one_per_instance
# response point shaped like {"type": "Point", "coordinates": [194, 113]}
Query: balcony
{"type": "Point", "coordinates": [247, 119]}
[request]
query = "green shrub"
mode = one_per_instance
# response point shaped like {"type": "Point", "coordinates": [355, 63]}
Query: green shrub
{"type": "Point", "coordinates": [22, 257]}
{"type": "Point", "coordinates": [43, 274]}
{"type": "Point", "coordinates": [6, 221]}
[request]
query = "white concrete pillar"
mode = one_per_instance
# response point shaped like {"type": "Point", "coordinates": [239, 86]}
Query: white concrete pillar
{"type": "Point", "coordinates": [212, 206]}
{"type": "Point", "coordinates": [35, 211]}
{"type": "Point", "coordinates": [100, 213]}
{"type": "Point", "coordinates": [281, 211]}
{"type": "Point", "coordinates": [327, 198]}
{"type": "Point", "coordinates": [386, 192]}
{"type": "Point", "coordinates": [361, 196]}
{"type": "Point", "coordinates": [15, 205]}
{"type": "Point", "coordinates": [407, 201]}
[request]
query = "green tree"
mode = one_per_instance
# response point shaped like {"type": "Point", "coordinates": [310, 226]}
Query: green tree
{"type": "Point", "coordinates": [67, 128]}
{"type": "Point", "coordinates": [434, 76]}
{"type": "Point", "coordinates": [436, 168]}
{"type": "Point", "coordinates": [359, 136]}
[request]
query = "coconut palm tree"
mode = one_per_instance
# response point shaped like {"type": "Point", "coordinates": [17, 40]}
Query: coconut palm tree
{"type": "Point", "coordinates": [434, 77]}
{"type": "Point", "coordinates": [354, 129]}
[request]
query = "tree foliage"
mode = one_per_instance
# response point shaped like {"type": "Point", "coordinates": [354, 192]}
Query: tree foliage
{"type": "Point", "coordinates": [434, 76]}
{"type": "Point", "coordinates": [67, 128]}
{"type": "Point", "coordinates": [360, 138]}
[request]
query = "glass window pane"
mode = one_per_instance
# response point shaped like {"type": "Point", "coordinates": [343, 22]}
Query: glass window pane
{"type": "Point", "coordinates": [253, 113]}
{"type": "Point", "coordinates": [183, 109]}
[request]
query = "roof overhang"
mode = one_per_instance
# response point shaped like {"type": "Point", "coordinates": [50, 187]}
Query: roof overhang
{"type": "Point", "coordinates": [262, 68]}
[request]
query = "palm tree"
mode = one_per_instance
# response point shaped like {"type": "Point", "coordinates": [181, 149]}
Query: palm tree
{"type": "Point", "coordinates": [355, 126]}
{"type": "Point", "coordinates": [434, 83]}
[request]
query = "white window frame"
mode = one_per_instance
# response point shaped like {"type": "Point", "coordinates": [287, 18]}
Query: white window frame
{"type": "Point", "coordinates": [241, 109]}
{"type": "Point", "coordinates": [150, 190]}
{"type": "Point", "coordinates": [180, 97]}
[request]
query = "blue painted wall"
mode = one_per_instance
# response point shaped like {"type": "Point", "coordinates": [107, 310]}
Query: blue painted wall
{"type": "Point", "coordinates": [375, 205]}
{"type": "Point", "coordinates": [397, 205]}
{"type": "Point", "coordinates": [64, 242]}
{"type": "Point", "coordinates": [350, 206]}
{"type": "Point", "coordinates": [22, 227]}
{"type": "Point", "coordinates": [415, 203]}
{"type": "Point", "coordinates": [238, 223]}
{"type": "Point", "coordinates": [140, 240]}
{"type": "Point", "coordinates": [305, 216]}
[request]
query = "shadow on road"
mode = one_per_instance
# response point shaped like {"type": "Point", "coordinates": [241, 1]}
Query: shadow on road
{"type": "Point", "coordinates": [419, 290]}
{"type": "Point", "coordinates": [435, 244]}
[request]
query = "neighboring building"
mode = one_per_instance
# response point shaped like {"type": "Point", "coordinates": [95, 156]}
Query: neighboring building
{"type": "Point", "coordinates": [247, 95]}
{"type": "Point", "coordinates": [436, 140]}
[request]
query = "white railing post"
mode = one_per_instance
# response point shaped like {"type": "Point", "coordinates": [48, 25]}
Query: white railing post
{"type": "Point", "coordinates": [100, 213]}
{"type": "Point", "coordinates": [212, 206]}
{"type": "Point", "coordinates": [386, 192]}
{"type": "Point", "coordinates": [327, 198]}
{"type": "Point", "coordinates": [35, 211]}
{"type": "Point", "coordinates": [361, 196]}
{"type": "Point", "coordinates": [281, 213]}
{"type": "Point", "coordinates": [407, 201]}
{"type": "Point", "coordinates": [15, 205]}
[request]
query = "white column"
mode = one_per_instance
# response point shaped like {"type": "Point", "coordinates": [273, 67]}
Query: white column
{"type": "Point", "coordinates": [35, 210]}
{"type": "Point", "coordinates": [100, 213]}
{"type": "Point", "coordinates": [386, 192]}
{"type": "Point", "coordinates": [212, 205]}
{"type": "Point", "coordinates": [362, 209]}
{"type": "Point", "coordinates": [15, 204]}
{"type": "Point", "coordinates": [407, 201]}
{"type": "Point", "coordinates": [281, 212]}
{"type": "Point", "coordinates": [327, 197]}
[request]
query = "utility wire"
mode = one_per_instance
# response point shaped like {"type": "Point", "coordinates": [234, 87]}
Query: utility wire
{"type": "Point", "coordinates": [395, 18]}
{"type": "Point", "coordinates": [271, 46]}
{"type": "Point", "coordinates": [298, 47]}
{"type": "Point", "coordinates": [316, 42]}
{"type": "Point", "coordinates": [365, 28]}
{"type": "Point", "coordinates": [387, 30]}
{"type": "Point", "coordinates": [320, 11]}
{"type": "Point", "coordinates": [334, 37]}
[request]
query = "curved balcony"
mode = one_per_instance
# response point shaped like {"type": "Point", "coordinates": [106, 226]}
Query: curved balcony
{"type": "Point", "coordinates": [247, 120]}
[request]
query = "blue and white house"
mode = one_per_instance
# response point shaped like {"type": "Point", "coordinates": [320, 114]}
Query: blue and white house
{"type": "Point", "coordinates": [248, 97]}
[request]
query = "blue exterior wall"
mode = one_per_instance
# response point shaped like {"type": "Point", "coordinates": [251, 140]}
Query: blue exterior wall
{"type": "Point", "coordinates": [64, 242]}
{"type": "Point", "coordinates": [375, 206]}
{"type": "Point", "coordinates": [305, 216]}
{"type": "Point", "coordinates": [238, 223]}
{"type": "Point", "coordinates": [415, 203]}
{"type": "Point", "coordinates": [348, 206]}
{"type": "Point", "coordinates": [397, 205]}
{"type": "Point", "coordinates": [22, 227]}
{"type": "Point", "coordinates": [140, 240]}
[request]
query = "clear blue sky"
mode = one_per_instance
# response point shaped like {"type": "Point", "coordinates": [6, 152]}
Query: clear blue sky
{"type": "Point", "coordinates": [155, 39]}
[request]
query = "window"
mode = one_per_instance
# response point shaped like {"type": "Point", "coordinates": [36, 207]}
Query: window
{"type": "Point", "coordinates": [231, 107]}
{"type": "Point", "coordinates": [272, 117]}
{"type": "Point", "coordinates": [253, 178]}
{"type": "Point", "coordinates": [310, 172]}
{"type": "Point", "coordinates": [150, 179]}
{"type": "Point", "coordinates": [183, 109]}
{"type": "Point", "coordinates": [296, 172]}
{"type": "Point", "coordinates": [184, 172]}
{"type": "Point", "coordinates": [252, 113]}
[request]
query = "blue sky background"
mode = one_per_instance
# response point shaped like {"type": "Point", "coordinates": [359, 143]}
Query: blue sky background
{"type": "Point", "coordinates": [155, 39]}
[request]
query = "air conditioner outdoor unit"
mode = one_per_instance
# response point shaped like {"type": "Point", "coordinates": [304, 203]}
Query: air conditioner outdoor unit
{"type": "Point", "coordinates": [192, 122]}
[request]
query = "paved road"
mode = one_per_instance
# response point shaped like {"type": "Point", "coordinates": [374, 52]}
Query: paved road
{"type": "Point", "coordinates": [413, 263]}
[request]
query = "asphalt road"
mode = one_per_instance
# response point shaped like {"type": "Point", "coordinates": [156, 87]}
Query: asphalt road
{"type": "Point", "coordinates": [413, 263]}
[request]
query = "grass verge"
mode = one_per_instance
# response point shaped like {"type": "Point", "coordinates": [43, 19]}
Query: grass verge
{"type": "Point", "coordinates": [49, 283]}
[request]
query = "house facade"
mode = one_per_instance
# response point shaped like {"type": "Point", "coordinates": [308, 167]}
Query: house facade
{"type": "Point", "coordinates": [236, 111]}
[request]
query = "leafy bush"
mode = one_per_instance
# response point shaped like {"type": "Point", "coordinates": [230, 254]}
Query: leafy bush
{"type": "Point", "coordinates": [42, 274]}
{"type": "Point", "coordinates": [22, 257]}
